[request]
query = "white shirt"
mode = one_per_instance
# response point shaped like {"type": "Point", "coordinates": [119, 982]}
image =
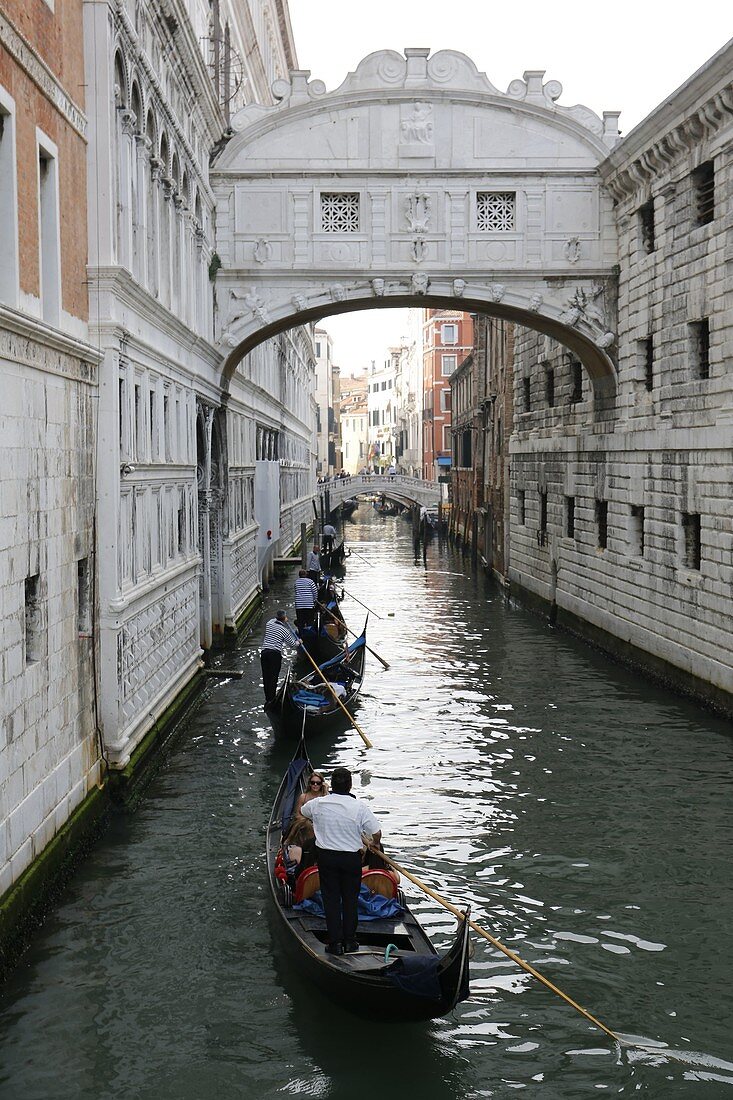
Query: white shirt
{"type": "Point", "coordinates": [339, 820]}
{"type": "Point", "coordinates": [329, 530]}
{"type": "Point", "coordinates": [314, 562]}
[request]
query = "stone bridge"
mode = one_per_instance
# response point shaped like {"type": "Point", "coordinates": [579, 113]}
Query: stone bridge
{"type": "Point", "coordinates": [418, 182]}
{"type": "Point", "coordinates": [406, 490]}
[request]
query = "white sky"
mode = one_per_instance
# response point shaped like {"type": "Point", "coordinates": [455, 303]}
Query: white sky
{"type": "Point", "coordinates": [623, 55]}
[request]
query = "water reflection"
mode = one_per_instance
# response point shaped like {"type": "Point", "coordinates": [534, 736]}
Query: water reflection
{"type": "Point", "coordinates": [584, 815]}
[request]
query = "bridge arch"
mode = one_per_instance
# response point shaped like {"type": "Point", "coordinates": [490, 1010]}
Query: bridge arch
{"type": "Point", "coordinates": [418, 182]}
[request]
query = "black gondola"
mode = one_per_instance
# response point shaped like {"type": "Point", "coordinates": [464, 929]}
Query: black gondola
{"type": "Point", "coordinates": [327, 635]}
{"type": "Point", "coordinates": [396, 973]}
{"type": "Point", "coordinates": [349, 507]}
{"type": "Point", "coordinates": [309, 699]}
{"type": "Point", "coordinates": [332, 561]}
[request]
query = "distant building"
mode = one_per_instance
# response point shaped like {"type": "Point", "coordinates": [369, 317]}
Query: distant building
{"type": "Point", "coordinates": [382, 408]}
{"type": "Point", "coordinates": [327, 390]}
{"type": "Point", "coordinates": [354, 427]}
{"type": "Point", "coordinates": [447, 340]}
{"type": "Point", "coordinates": [409, 398]}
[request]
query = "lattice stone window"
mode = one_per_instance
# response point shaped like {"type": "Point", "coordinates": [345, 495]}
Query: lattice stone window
{"type": "Point", "coordinates": [339, 212]}
{"type": "Point", "coordinates": [495, 211]}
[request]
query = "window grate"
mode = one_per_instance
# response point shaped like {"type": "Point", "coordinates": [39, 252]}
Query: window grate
{"type": "Point", "coordinates": [648, 351]}
{"type": "Point", "coordinates": [521, 507]}
{"type": "Point", "coordinates": [693, 539]}
{"type": "Point", "coordinates": [646, 225]}
{"type": "Point", "coordinates": [570, 517]}
{"type": "Point", "coordinates": [700, 339]}
{"type": "Point", "coordinates": [602, 523]}
{"type": "Point", "coordinates": [339, 212]}
{"type": "Point", "coordinates": [526, 394]}
{"type": "Point", "coordinates": [495, 211]}
{"type": "Point", "coordinates": [637, 529]}
{"type": "Point", "coordinates": [576, 371]}
{"type": "Point", "coordinates": [550, 388]}
{"type": "Point", "coordinates": [703, 187]}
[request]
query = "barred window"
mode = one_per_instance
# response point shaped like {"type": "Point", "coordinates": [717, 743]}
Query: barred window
{"type": "Point", "coordinates": [339, 212]}
{"type": "Point", "coordinates": [495, 211]}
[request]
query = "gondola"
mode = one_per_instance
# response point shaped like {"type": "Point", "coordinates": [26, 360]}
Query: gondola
{"type": "Point", "coordinates": [307, 700]}
{"type": "Point", "coordinates": [349, 507]}
{"type": "Point", "coordinates": [332, 561]}
{"type": "Point", "coordinates": [396, 973]}
{"type": "Point", "coordinates": [326, 637]}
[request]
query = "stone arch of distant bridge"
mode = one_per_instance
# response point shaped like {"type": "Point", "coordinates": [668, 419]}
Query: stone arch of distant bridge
{"type": "Point", "coordinates": [400, 487]}
{"type": "Point", "coordinates": [417, 182]}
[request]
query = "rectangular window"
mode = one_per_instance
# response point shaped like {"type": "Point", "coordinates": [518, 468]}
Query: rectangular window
{"type": "Point", "coordinates": [700, 348]}
{"type": "Point", "coordinates": [637, 530]}
{"type": "Point", "coordinates": [449, 334]}
{"type": "Point", "coordinates": [32, 619]}
{"type": "Point", "coordinates": [495, 211]}
{"type": "Point", "coordinates": [384, 385]}
{"type": "Point", "coordinates": [576, 378]}
{"type": "Point", "coordinates": [646, 355]}
{"type": "Point", "coordinates": [703, 193]}
{"type": "Point", "coordinates": [8, 202]}
{"type": "Point", "coordinates": [447, 438]}
{"type": "Point", "coordinates": [318, 349]}
{"type": "Point", "coordinates": [526, 394]}
{"type": "Point", "coordinates": [83, 600]}
{"type": "Point", "coordinates": [521, 506]}
{"type": "Point", "coordinates": [646, 226]}
{"type": "Point", "coordinates": [339, 212]}
{"type": "Point", "coordinates": [167, 428]}
{"type": "Point", "coordinates": [445, 401]}
{"type": "Point", "coordinates": [570, 517]}
{"type": "Point", "coordinates": [448, 365]}
{"type": "Point", "coordinates": [693, 539]}
{"type": "Point", "coordinates": [543, 517]}
{"type": "Point", "coordinates": [550, 387]}
{"type": "Point", "coordinates": [466, 441]}
{"type": "Point", "coordinates": [49, 248]}
{"type": "Point", "coordinates": [181, 522]}
{"type": "Point", "coordinates": [602, 523]}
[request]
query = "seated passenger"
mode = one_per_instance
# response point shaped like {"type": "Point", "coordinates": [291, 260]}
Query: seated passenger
{"type": "Point", "coordinates": [299, 848]}
{"type": "Point", "coordinates": [316, 787]}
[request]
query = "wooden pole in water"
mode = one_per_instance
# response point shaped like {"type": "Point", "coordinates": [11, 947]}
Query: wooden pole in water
{"type": "Point", "coordinates": [303, 544]}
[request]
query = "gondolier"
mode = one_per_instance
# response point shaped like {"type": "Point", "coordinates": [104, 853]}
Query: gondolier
{"type": "Point", "coordinates": [278, 634]}
{"type": "Point", "coordinates": [329, 534]}
{"type": "Point", "coordinates": [306, 595]}
{"type": "Point", "coordinates": [340, 821]}
{"type": "Point", "coordinates": [313, 565]}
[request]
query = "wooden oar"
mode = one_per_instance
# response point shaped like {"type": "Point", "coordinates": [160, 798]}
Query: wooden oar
{"type": "Point", "coordinates": [364, 606]}
{"type": "Point", "coordinates": [492, 940]}
{"type": "Point", "coordinates": [369, 563]}
{"type": "Point", "coordinates": [355, 635]}
{"type": "Point", "coordinates": [351, 718]}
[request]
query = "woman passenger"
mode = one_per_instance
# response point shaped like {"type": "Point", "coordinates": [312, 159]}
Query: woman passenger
{"type": "Point", "coordinates": [315, 788]}
{"type": "Point", "coordinates": [299, 848]}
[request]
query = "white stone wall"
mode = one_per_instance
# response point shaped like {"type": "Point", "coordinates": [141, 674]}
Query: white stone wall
{"type": "Point", "coordinates": [49, 756]}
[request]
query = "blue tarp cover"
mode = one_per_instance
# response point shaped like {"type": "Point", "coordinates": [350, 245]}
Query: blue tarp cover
{"type": "Point", "coordinates": [292, 790]}
{"type": "Point", "coordinates": [371, 906]}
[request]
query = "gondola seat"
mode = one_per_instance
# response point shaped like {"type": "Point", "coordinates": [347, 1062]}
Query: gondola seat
{"type": "Point", "coordinates": [306, 884]}
{"type": "Point", "coordinates": [380, 882]}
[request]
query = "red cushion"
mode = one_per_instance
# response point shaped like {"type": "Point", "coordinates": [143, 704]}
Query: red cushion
{"type": "Point", "coordinates": [307, 883]}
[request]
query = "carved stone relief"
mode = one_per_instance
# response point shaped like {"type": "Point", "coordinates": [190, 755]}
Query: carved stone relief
{"type": "Point", "coordinates": [262, 251]}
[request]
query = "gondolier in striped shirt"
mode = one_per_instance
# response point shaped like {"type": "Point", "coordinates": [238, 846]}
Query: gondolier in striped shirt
{"type": "Point", "coordinates": [278, 634]}
{"type": "Point", "coordinates": [313, 565]}
{"type": "Point", "coordinates": [306, 595]}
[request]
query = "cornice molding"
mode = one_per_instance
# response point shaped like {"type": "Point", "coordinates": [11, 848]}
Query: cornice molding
{"type": "Point", "coordinates": [36, 68]}
{"type": "Point", "coordinates": [27, 340]}
{"type": "Point", "coordinates": [696, 113]}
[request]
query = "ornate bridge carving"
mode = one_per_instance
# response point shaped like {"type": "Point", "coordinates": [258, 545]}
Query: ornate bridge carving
{"type": "Point", "coordinates": [407, 490]}
{"type": "Point", "coordinates": [417, 182]}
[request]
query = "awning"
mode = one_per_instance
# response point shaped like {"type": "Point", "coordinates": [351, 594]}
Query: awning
{"type": "Point", "coordinates": [443, 461]}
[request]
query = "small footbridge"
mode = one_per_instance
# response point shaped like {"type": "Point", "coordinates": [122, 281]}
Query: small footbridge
{"type": "Point", "coordinates": [400, 487]}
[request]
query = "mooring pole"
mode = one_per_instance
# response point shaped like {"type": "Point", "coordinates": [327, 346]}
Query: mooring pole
{"type": "Point", "coordinates": [303, 544]}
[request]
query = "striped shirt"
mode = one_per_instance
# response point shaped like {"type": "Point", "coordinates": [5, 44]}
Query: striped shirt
{"type": "Point", "coordinates": [339, 821]}
{"type": "Point", "coordinates": [277, 635]}
{"type": "Point", "coordinates": [305, 592]}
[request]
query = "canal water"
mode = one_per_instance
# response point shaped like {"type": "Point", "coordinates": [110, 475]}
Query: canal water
{"type": "Point", "coordinates": [582, 812]}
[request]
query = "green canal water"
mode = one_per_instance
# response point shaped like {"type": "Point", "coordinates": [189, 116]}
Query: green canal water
{"type": "Point", "coordinates": [585, 815]}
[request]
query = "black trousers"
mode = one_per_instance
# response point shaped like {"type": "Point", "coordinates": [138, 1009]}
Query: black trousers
{"type": "Point", "coordinates": [315, 575]}
{"type": "Point", "coordinates": [340, 875]}
{"type": "Point", "coordinates": [271, 660]}
{"type": "Point", "coordinates": [327, 544]}
{"type": "Point", "coordinates": [305, 616]}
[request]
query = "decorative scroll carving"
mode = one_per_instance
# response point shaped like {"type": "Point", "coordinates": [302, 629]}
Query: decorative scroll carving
{"type": "Point", "coordinates": [262, 251]}
{"type": "Point", "coordinates": [581, 307]}
{"type": "Point", "coordinates": [417, 213]}
{"type": "Point", "coordinates": [240, 308]}
{"type": "Point", "coordinates": [572, 250]}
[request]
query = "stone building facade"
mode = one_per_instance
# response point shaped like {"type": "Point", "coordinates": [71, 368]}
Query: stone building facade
{"type": "Point", "coordinates": [49, 755]}
{"type": "Point", "coordinates": [447, 340]}
{"type": "Point", "coordinates": [621, 517]}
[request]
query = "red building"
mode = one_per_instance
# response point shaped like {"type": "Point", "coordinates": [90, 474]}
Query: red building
{"type": "Point", "coordinates": [447, 340]}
